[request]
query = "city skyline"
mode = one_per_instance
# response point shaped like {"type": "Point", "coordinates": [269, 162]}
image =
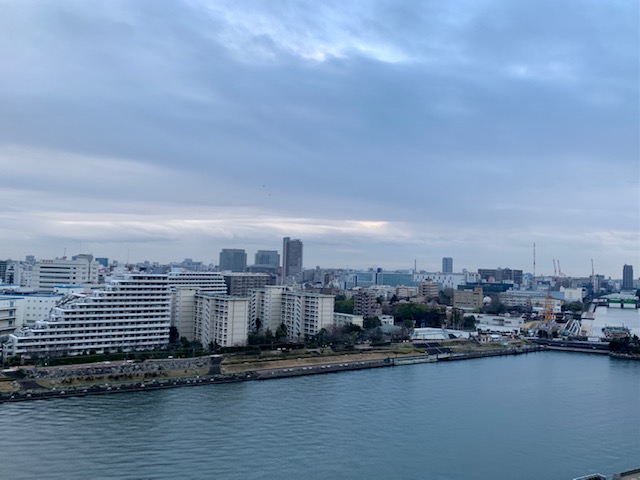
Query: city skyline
{"type": "Point", "coordinates": [379, 134]}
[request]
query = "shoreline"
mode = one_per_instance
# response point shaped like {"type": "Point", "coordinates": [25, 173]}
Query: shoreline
{"type": "Point", "coordinates": [304, 369]}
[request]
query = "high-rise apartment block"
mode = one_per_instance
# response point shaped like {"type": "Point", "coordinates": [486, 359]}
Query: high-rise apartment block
{"type": "Point", "coordinates": [291, 257]}
{"type": "Point", "coordinates": [303, 314]}
{"type": "Point", "coordinates": [184, 285]}
{"type": "Point", "coordinates": [365, 303]}
{"type": "Point", "coordinates": [447, 265]}
{"type": "Point", "coordinates": [129, 313]}
{"type": "Point", "coordinates": [627, 277]}
{"type": "Point", "coordinates": [233, 260]}
{"type": "Point", "coordinates": [221, 320]}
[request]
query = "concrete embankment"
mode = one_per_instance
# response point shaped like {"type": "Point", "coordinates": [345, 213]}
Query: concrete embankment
{"type": "Point", "coordinates": [106, 378]}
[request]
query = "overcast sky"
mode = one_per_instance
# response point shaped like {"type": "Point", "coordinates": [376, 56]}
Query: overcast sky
{"type": "Point", "coordinates": [378, 132]}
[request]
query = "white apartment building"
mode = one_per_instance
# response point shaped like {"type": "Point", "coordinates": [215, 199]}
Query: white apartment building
{"type": "Point", "coordinates": [130, 313]}
{"type": "Point", "coordinates": [221, 319]}
{"type": "Point", "coordinates": [19, 273]}
{"type": "Point", "coordinates": [10, 315]}
{"type": "Point", "coordinates": [342, 319]}
{"type": "Point", "coordinates": [37, 307]}
{"type": "Point", "coordinates": [82, 270]}
{"type": "Point", "coordinates": [305, 314]}
{"type": "Point", "coordinates": [302, 313]}
{"type": "Point", "coordinates": [184, 285]}
{"type": "Point", "coordinates": [265, 308]}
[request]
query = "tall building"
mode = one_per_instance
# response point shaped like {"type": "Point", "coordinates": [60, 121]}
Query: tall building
{"type": "Point", "coordinates": [267, 258]}
{"type": "Point", "coordinates": [48, 274]}
{"type": "Point", "coordinates": [291, 257]}
{"type": "Point", "coordinates": [447, 265]}
{"type": "Point", "coordinates": [627, 277]}
{"type": "Point", "coordinates": [233, 260]}
{"type": "Point", "coordinates": [3, 270]}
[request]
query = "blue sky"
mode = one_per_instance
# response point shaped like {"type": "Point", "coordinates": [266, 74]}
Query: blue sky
{"type": "Point", "coordinates": [378, 132]}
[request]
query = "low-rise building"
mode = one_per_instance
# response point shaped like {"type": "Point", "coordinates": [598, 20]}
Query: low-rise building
{"type": "Point", "coordinates": [342, 319]}
{"type": "Point", "coordinates": [468, 299]}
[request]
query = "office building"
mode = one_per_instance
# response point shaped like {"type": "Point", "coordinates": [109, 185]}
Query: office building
{"type": "Point", "coordinates": [447, 265]}
{"type": "Point", "coordinates": [239, 284]}
{"type": "Point", "coordinates": [428, 289]}
{"type": "Point", "coordinates": [500, 275]}
{"type": "Point", "coordinates": [233, 260]}
{"type": "Point", "coordinates": [468, 299]}
{"type": "Point", "coordinates": [267, 258]}
{"type": "Point", "coordinates": [80, 270]}
{"type": "Point", "coordinates": [627, 277]}
{"type": "Point", "coordinates": [291, 257]}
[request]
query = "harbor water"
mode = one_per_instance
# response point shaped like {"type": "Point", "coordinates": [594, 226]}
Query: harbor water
{"type": "Point", "coordinates": [613, 316]}
{"type": "Point", "coordinates": [547, 415]}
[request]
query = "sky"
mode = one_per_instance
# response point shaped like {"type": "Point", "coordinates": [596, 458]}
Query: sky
{"type": "Point", "coordinates": [380, 133]}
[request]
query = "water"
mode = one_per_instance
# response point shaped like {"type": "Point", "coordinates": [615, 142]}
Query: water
{"type": "Point", "coordinates": [614, 317]}
{"type": "Point", "coordinates": [537, 416]}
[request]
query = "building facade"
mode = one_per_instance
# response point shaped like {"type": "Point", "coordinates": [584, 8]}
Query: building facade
{"type": "Point", "coordinates": [501, 275]}
{"type": "Point", "coordinates": [627, 277]}
{"type": "Point", "coordinates": [233, 260]}
{"type": "Point", "coordinates": [129, 313]}
{"type": "Point", "coordinates": [291, 257]}
{"type": "Point", "coordinates": [447, 265]}
{"type": "Point", "coordinates": [428, 289]}
{"type": "Point", "coordinates": [365, 303]}
{"type": "Point", "coordinates": [267, 258]}
{"type": "Point", "coordinates": [301, 313]}
{"type": "Point", "coordinates": [221, 320]}
{"type": "Point", "coordinates": [81, 270]}
{"type": "Point", "coordinates": [468, 299]}
{"type": "Point", "coordinates": [239, 284]}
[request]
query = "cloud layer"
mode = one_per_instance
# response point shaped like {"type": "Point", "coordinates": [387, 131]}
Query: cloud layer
{"type": "Point", "coordinates": [379, 133]}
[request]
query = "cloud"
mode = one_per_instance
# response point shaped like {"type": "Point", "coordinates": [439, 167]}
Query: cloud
{"type": "Point", "coordinates": [420, 125]}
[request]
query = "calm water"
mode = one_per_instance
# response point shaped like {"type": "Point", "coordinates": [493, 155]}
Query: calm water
{"type": "Point", "coordinates": [615, 317]}
{"type": "Point", "coordinates": [538, 416]}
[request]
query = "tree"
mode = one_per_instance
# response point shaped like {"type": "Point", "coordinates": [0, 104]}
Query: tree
{"type": "Point", "coordinates": [370, 323]}
{"type": "Point", "coordinates": [343, 306]}
{"type": "Point", "coordinates": [281, 331]}
{"type": "Point", "coordinates": [173, 335]}
{"type": "Point", "coordinates": [496, 307]}
{"type": "Point", "coordinates": [469, 322]}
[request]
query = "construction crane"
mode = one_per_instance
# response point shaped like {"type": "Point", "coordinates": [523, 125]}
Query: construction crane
{"type": "Point", "coordinates": [555, 272]}
{"type": "Point", "coordinates": [559, 271]}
